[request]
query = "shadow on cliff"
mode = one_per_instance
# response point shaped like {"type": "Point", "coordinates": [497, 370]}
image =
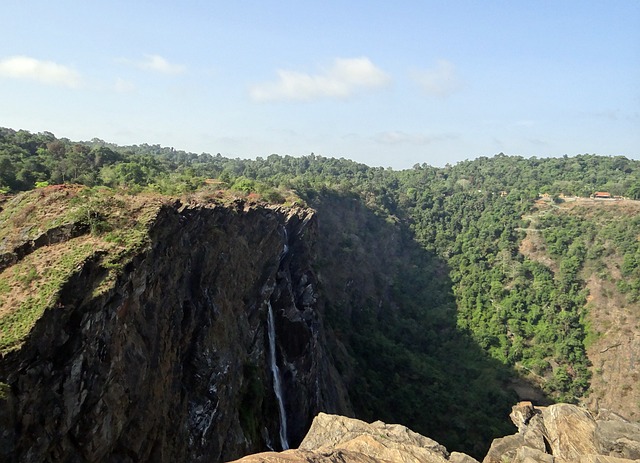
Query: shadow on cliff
{"type": "Point", "coordinates": [392, 311]}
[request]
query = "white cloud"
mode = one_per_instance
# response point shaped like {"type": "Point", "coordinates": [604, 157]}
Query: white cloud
{"type": "Point", "coordinates": [524, 123]}
{"type": "Point", "coordinates": [124, 86]}
{"type": "Point", "coordinates": [341, 80]}
{"type": "Point", "coordinates": [440, 81]}
{"type": "Point", "coordinates": [46, 72]}
{"type": "Point", "coordinates": [399, 137]}
{"type": "Point", "coordinates": [156, 63]}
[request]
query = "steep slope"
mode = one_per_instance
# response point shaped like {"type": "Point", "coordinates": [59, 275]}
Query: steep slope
{"type": "Point", "coordinates": [157, 349]}
{"type": "Point", "coordinates": [391, 307]}
{"type": "Point", "coordinates": [608, 231]}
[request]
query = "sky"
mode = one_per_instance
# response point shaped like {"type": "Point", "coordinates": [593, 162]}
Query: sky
{"type": "Point", "coordinates": [389, 84]}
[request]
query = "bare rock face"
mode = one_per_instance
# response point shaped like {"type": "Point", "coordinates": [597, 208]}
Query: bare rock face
{"type": "Point", "coordinates": [171, 363]}
{"type": "Point", "coordinates": [338, 439]}
{"type": "Point", "coordinates": [559, 433]}
{"type": "Point", "coordinates": [566, 433]}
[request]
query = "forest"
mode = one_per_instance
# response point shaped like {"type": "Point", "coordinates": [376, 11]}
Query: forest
{"type": "Point", "coordinates": [429, 291]}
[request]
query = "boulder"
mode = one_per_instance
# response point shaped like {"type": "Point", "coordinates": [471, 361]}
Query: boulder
{"type": "Point", "coordinates": [566, 433]}
{"type": "Point", "coordinates": [560, 433]}
{"type": "Point", "coordinates": [570, 431]}
{"type": "Point", "coordinates": [335, 438]}
{"type": "Point", "coordinates": [618, 437]}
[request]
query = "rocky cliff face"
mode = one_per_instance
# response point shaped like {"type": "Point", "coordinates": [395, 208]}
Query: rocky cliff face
{"type": "Point", "coordinates": [171, 362]}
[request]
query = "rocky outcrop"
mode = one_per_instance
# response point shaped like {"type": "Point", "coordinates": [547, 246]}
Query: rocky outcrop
{"type": "Point", "coordinates": [566, 433]}
{"type": "Point", "coordinates": [339, 439]}
{"type": "Point", "coordinates": [51, 236]}
{"type": "Point", "coordinates": [559, 433]}
{"type": "Point", "coordinates": [171, 363]}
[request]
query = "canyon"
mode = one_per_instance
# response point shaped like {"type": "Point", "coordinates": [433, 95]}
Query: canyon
{"type": "Point", "coordinates": [150, 328]}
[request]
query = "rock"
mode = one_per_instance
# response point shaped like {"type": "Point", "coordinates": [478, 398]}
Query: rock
{"type": "Point", "coordinates": [559, 433]}
{"type": "Point", "coordinates": [306, 456]}
{"type": "Point", "coordinates": [564, 433]}
{"type": "Point", "coordinates": [457, 457]}
{"type": "Point", "coordinates": [338, 439]}
{"type": "Point", "coordinates": [529, 455]}
{"type": "Point", "coordinates": [603, 459]}
{"type": "Point", "coordinates": [521, 414]}
{"type": "Point", "coordinates": [617, 437]}
{"type": "Point", "coordinates": [504, 448]}
{"type": "Point", "coordinates": [570, 431]}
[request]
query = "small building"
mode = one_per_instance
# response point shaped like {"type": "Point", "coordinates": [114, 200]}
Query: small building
{"type": "Point", "coordinates": [602, 195]}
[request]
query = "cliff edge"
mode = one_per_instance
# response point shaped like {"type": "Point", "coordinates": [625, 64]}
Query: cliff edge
{"type": "Point", "coordinates": [153, 341]}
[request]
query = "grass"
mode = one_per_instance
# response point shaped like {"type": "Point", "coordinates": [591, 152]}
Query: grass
{"type": "Point", "coordinates": [4, 390]}
{"type": "Point", "coordinates": [117, 227]}
{"type": "Point", "coordinates": [30, 297]}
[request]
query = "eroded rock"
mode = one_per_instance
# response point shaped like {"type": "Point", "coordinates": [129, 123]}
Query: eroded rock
{"type": "Point", "coordinates": [339, 439]}
{"type": "Point", "coordinates": [565, 433]}
{"type": "Point", "coordinates": [559, 433]}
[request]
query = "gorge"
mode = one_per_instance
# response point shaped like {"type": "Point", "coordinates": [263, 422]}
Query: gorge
{"type": "Point", "coordinates": [218, 322]}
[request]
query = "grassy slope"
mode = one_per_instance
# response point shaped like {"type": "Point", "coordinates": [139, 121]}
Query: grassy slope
{"type": "Point", "coordinates": [612, 316]}
{"type": "Point", "coordinates": [94, 223]}
{"type": "Point", "coordinates": [112, 227]}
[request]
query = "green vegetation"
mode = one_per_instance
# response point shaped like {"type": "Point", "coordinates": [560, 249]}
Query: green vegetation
{"type": "Point", "coordinates": [4, 390]}
{"type": "Point", "coordinates": [440, 284]}
{"type": "Point", "coordinates": [109, 228]}
{"type": "Point", "coordinates": [43, 290]}
{"type": "Point", "coordinates": [251, 402]}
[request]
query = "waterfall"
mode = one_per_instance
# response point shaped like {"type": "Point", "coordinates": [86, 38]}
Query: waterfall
{"type": "Point", "coordinates": [285, 247]}
{"type": "Point", "coordinates": [277, 386]}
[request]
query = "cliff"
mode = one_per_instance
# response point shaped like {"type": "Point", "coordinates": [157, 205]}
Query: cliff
{"type": "Point", "coordinates": [144, 328]}
{"type": "Point", "coordinates": [155, 345]}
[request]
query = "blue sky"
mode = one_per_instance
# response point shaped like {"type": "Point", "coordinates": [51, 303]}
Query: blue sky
{"type": "Point", "coordinates": [389, 84]}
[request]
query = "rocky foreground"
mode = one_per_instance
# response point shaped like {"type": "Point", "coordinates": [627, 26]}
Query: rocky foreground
{"type": "Point", "coordinates": [556, 434]}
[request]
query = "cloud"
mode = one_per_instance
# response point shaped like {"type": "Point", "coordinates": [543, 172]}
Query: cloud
{"type": "Point", "coordinates": [124, 86]}
{"type": "Point", "coordinates": [341, 80]}
{"type": "Point", "coordinates": [156, 63]}
{"type": "Point", "coordinates": [440, 81]}
{"type": "Point", "coordinates": [46, 72]}
{"type": "Point", "coordinates": [524, 123]}
{"type": "Point", "coordinates": [538, 142]}
{"type": "Point", "coordinates": [398, 138]}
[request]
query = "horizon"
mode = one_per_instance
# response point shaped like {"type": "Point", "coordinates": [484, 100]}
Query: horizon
{"type": "Point", "coordinates": [389, 86]}
{"type": "Point", "coordinates": [108, 143]}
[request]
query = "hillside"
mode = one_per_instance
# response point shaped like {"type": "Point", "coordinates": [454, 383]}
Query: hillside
{"type": "Point", "coordinates": [440, 296]}
{"type": "Point", "coordinates": [609, 233]}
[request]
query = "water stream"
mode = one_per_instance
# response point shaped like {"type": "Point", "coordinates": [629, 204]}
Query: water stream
{"type": "Point", "coordinates": [277, 384]}
{"type": "Point", "coordinates": [285, 247]}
